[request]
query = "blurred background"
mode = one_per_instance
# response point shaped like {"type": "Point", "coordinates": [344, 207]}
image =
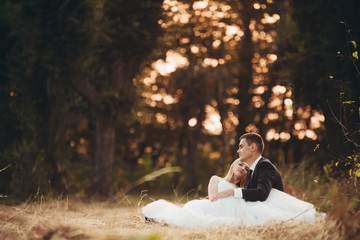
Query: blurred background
{"type": "Point", "coordinates": [108, 97]}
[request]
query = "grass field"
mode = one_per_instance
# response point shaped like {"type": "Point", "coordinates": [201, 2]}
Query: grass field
{"type": "Point", "coordinates": [76, 219]}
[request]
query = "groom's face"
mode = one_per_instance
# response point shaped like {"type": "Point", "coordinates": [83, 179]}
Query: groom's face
{"type": "Point", "coordinates": [245, 150]}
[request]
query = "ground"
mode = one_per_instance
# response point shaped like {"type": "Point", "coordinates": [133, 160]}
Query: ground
{"type": "Point", "coordinates": [78, 219]}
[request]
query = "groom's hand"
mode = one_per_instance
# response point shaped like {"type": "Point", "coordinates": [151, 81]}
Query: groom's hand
{"type": "Point", "coordinates": [223, 194]}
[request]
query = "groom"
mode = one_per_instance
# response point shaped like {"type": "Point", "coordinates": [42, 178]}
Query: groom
{"type": "Point", "coordinates": [262, 175]}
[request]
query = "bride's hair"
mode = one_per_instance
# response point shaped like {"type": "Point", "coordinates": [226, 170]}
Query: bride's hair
{"type": "Point", "coordinates": [230, 174]}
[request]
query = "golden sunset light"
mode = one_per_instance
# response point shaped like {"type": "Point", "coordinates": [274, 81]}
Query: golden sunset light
{"type": "Point", "coordinates": [173, 61]}
{"type": "Point", "coordinates": [316, 120]}
{"type": "Point", "coordinates": [161, 118]}
{"type": "Point", "coordinates": [209, 15]}
{"type": "Point", "coordinates": [211, 62]}
{"type": "Point", "coordinates": [199, 5]}
{"type": "Point", "coordinates": [257, 6]}
{"type": "Point", "coordinates": [192, 122]}
{"type": "Point", "coordinates": [212, 122]}
{"type": "Point", "coordinates": [279, 89]}
{"type": "Point", "coordinates": [270, 19]}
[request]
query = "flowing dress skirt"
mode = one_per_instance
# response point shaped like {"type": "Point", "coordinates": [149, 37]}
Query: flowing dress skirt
{"type": "Point", "coordinates": [278, 207]}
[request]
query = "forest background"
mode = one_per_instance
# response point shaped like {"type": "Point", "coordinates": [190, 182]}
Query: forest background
{"type": "Point", "coordinates": [105, 98]}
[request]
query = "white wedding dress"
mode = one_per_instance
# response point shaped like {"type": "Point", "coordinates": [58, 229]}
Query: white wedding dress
{"type": "Point", "coordinates": [278, 207]}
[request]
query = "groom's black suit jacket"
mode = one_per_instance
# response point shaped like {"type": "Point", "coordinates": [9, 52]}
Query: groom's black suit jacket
{"type": "Point", "coordinates": [264, 177]}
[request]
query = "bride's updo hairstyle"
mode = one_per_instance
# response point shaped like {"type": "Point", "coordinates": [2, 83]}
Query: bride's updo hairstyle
{"type": "Point", "coordinates": [254, 138]}
{"type": "Point", "coordinates": [230, 174]}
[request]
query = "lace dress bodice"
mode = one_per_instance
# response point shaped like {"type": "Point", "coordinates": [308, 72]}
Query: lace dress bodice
{"type": "Point", "coordinates": [225, 185]}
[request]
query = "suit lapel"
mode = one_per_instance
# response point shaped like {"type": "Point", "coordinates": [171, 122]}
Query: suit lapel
{"type": "Point", "coordinates": [249, 179]}
{"type": "Point", "coordinates": [260, 160]}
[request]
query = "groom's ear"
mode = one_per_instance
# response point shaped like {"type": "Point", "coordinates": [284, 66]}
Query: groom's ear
{"type": "Point", "coordinates": [253, 147]}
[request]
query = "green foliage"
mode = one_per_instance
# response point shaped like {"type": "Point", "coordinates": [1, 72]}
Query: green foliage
{"type": "Point", "coordinates": [348, 164]}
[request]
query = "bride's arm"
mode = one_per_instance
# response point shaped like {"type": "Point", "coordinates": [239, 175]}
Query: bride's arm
{"type": "Point", "coordinates": [223, 194]}
{"type": "Point", "coordinates": [213, 186]}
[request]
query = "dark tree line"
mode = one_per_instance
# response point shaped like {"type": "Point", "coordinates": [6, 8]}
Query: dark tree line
{"type": "Point", "coordinates": [95, 48]}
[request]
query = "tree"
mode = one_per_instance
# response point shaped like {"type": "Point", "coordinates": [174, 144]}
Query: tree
{"type": "Point", "coordinates": [216, 43]}
{"type": "Point", "coordinates": [200, 82]}
{"type": "Point", "coordinates": [95, 47]}
{"type": "Point", "coordinates": [35, 68]}
{"type": "Point", "coordinates": [125, 32]}
{"type": "Point", "coordinates": [308, 58]}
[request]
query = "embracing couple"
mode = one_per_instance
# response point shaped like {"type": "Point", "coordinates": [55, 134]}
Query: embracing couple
{"type": "Point", "coordinates": [261, 174]}
{"type": "Point", "coordinates": [251, 193]}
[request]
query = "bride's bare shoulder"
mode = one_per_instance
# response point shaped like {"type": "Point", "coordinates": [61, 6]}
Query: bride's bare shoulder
{"type": "Point", "coordinates": [216, 178]}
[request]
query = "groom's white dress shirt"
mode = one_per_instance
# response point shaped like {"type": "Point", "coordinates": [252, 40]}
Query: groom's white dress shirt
{"type": "Point", "coordinates": [238, 191]}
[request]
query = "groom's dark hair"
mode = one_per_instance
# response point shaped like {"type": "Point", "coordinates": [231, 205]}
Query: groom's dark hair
{"type": "Point", "coordinates": [254, 138]}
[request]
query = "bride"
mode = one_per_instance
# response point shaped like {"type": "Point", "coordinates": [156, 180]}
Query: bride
{"type": "Point", "coordinates": [278, 207]}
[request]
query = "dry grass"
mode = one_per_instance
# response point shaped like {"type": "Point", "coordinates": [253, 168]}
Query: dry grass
{"type": "Point", "coordinates": [75, 219]}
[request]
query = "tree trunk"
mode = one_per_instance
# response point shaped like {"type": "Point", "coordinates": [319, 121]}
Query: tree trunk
{"type": "Point", "coordinates": [107, 108]}
{"type": "Point", "coordinates": [220, 162]}
{"type": "Point", "coordinates": [192, 157]}
{"type": "Point", "coordinates": [104, 156]}
{"type": "Point", "coordinates": [245, 74]}
{"type": "Point", "coordinates": [53, 139]}
{"type": "Point", "coordinates": [179, 156]}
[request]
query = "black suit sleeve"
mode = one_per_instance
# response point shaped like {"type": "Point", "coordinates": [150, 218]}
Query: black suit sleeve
{"type": "Point", "coordinates": [263, 178]}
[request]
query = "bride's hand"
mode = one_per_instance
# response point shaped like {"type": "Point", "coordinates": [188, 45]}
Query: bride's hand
{"type": "Point", "coordinates": [223, 194]}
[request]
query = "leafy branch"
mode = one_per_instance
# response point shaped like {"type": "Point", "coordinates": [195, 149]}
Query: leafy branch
{"type": "Point", "coordinates": [349, 163]}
